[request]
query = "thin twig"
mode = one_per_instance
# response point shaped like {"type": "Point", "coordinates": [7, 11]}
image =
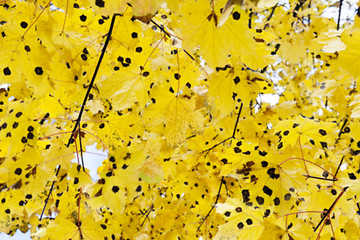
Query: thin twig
{"type": "Point", "coordinates": [237, 121]}
{"type": "Point", "coordinates": [337, 170]}
{"type": "Point", "coordinates": [147, 215]}
{"type": "Point", "coordinates": [81, 151]}
{"type": "Point", "coordinates": [319, 178]}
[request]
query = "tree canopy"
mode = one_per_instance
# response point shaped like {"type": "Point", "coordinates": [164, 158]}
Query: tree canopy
{"type": "Point", "coordinates": [172, 92]}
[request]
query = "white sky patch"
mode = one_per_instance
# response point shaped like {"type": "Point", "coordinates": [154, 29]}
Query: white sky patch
{"type": "Point", "coordinates": [343, 167]}
{"type": "Point", "coordinates": [93, 159]}
{"type": "Point", "coordinates": [17, 236]}
{"type": "Point", "coordinates": [273, 99]}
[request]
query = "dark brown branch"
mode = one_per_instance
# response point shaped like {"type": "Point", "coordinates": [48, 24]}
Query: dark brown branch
{"type": "Point", "coordinates": [161, 28]}
{"type": "Point", "coordinates": [213, 206]}
{"type": "Point", "coordinates": [192, 58]}
{"type": "Point", "coordinates": [78, 120]}
{"type": "Point", "coordinates": [330, 209]}
{"type": "Point", "coordinates": [51, 188]}
{"type": "Point", "coordinates": [338, 22]}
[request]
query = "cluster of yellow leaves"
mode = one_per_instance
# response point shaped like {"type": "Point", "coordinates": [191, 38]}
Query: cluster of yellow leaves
{"type": "Point", "coordinates": [171, 92]}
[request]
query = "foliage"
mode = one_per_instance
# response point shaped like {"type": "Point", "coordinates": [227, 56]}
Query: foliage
{"type": "Point", "coordinates": [171, 91]}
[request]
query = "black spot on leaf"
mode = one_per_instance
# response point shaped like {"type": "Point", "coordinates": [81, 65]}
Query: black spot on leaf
{"type": "Point", "coordinates": [262, 153]}
{"type": "Point", "coordinates": [247, 153]}
{"type": "Point", "coordinates": [267, 213]}
{"type": "Point", "coordinates": [237, 150]}
{"type": "Point", "coordinates": [352, 176]}
{"type": "Point", "coordinates": [236, 15]}
{"type": "Point", "coordinates": [322, 132]}
{"type": "Point", "coordinates": [7, 71]}
{"type": "Point", "coordinates": [100, 3]}
{"type": "Point", "coordinates": [240, 225]}
{"type": "Point", "coordinates": [83, 18]}
{"type": "Point", "coordinates": [39, 70]}
{"type": "Point", "coordinates": [260, 200]}
{"type": "Point", "coordinates": [287, 197]}
{"type": "Point", "coordinates": [18, 171]}
{"type": "Point", "coordinates": [271, 173]}
{"type": "Point", "coordinates": [115, 189]}
{"type": "Point", "coordinates": [30, 135]}
{"type": "Point", "coordinates": [134, 35]}
{"type": "Point", "coordinates": [236, 80]}
{"type": "Point", "coordinates": [267, 190]}
{"type": "Point", "coordinates": [23, 24]}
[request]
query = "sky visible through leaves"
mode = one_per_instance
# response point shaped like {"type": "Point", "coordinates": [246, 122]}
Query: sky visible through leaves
{"type": "Point", "coordinates": [228, 119]}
